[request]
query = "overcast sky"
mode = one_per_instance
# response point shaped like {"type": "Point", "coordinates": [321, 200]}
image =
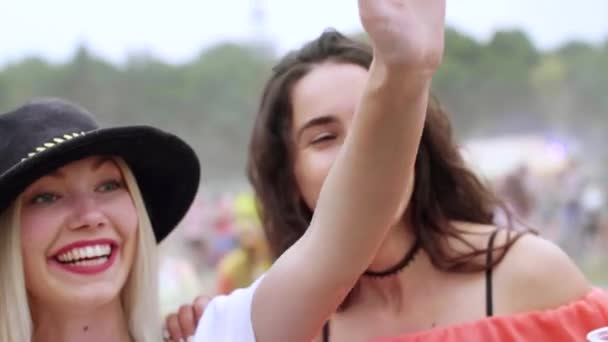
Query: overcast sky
{"type": "Point", "coordinates": [176, 30]}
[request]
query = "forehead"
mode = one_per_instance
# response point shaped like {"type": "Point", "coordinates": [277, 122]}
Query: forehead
{"type": "Point", "coordinates": [81, 168]}
{"type": "Point", "coordinates": [90, 163]}
{"type": "Point", "coordinates": [328, 89]}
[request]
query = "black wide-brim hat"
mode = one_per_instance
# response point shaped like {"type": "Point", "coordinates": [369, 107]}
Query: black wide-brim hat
{"type": "Point", "coordinates": [45, 134]}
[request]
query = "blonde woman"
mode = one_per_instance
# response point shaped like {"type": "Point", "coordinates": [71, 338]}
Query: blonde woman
{"type": "Point", "coordinates": [81, 211]}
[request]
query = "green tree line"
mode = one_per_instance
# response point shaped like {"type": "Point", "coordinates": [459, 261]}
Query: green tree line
{"type": "Point", "coordinates": [503, 86]}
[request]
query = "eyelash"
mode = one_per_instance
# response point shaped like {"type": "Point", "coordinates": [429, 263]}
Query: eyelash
{"type": "Point", "coordinates": [115, 183]}
{"type": "Point", "coordinates": [44, 198]}
{"type": "Point", "coordinates": [49, 197]}
{"type": "Point", "coordinates": [322, 137]}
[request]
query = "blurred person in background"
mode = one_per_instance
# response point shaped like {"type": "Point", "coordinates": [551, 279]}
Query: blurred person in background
{"type": "Point", "coordinates": [593, 204]}
{"type": "Point", "coordinates": [243, 265]}
{"type": "Point", "coordinates": [516, 192]}
{"type": "Point", "coordinates": [197, 235]}
{"type": "Point", "coordinates": [223, 236]}
{"type": "Point", "coordinates": [572, 181]}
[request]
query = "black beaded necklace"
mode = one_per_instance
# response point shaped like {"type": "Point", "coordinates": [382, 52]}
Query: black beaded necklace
{"type": "Point", "coordinates": [400, 266]}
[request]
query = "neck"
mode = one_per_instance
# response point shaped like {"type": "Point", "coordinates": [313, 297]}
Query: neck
{"type": "Point", "coordinates": [390, 291]}
{"type": "Point", "coordinates": [397, 243]}
{"type": "Point", "coordinates": [104, 323]}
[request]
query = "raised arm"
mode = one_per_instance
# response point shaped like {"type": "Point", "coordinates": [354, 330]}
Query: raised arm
{"type": "Point", "coordinates": [365, 189]}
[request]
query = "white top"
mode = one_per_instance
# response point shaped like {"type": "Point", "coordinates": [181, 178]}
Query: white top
{"type": "Point", "coordinates": [228, 318]}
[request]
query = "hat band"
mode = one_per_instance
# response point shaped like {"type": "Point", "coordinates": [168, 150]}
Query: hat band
{"type": "Point", "coordinates": [56, 141]}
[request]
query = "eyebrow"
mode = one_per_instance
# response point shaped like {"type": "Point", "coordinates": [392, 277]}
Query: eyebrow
{"type": "Point", "coordinates": [99, 163]}
{"type": "Point", "coordinates": [318, 121]}
{"type": "Point", "coordinates": [94, 167]}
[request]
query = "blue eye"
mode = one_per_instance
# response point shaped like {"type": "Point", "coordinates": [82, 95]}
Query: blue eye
{"type": "Point", "coordinates": [109, 186]}
{"type": "Point", "coordinates": [44, 198]}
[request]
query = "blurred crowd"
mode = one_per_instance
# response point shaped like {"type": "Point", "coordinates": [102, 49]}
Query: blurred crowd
{"type": "Point", "coordinates": [549, 185]}
{"type": "Point", "coordinates": [568, 206]}
{"type": "Point", "coordinates": [220, 246]}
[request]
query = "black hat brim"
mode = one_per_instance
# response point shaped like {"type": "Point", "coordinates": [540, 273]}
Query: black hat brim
{"type": "Point", "coordinates": [167, 170]}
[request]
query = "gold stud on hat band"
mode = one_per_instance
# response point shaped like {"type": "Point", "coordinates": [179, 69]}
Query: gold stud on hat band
{"type": "Point", "coordinates": [55, 142]}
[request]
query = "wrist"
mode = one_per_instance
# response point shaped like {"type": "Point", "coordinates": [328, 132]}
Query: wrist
{"type": "Point", "coordinates": [404, 79]}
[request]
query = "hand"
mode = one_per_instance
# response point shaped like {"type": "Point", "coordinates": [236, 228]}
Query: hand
{"type": "Point", "coordinates": [405, 33]}
{"type": "Point", "coordinates": [182, 325]}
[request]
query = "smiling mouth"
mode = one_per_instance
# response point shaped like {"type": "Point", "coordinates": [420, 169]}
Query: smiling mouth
{"type": "Point", "coordinates": [93, 255]}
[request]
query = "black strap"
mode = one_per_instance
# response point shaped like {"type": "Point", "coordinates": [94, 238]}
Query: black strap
{"type": "Point", "coordinates": [400, 266]}
{"type": "Point", "coordinates": [489, 252]}
{"type": "Point", "coordinates": [326, 332]}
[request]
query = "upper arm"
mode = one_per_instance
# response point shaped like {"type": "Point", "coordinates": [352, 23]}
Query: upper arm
{"type": "Point", "coordinates": [297, 294]}
{"type": "Point", "coordinates": [228, 318]}
{"type": "Point", "coordinates": [537, 275]}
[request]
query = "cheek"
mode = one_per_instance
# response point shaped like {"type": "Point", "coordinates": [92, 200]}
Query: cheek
{"type": "Point", "coordinates": [124, 216]}
{"type": "Point", "coordinates": [38, 228]}
{"type": "Point", "coordinates": [125, 221]}
{"type": "Point", "coordinates": [311, 169]}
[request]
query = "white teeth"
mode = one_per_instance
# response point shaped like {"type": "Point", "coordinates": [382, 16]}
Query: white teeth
{"type": "Point", "coordinates": [93, 262]}
{"type": "Point", "coordinates": [77, 255]}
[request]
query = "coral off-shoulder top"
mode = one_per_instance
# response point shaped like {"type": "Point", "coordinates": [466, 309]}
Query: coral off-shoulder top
{"type": "Point", "coordinates": [571, 322]}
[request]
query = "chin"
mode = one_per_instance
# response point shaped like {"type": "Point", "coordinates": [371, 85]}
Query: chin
{"type": "Point", "coordinates": [86, 297]}
{"type": "Point", "coordinates": [94, 291]}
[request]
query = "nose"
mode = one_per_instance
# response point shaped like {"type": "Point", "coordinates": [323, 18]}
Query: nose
{"type": "Point", "coordinates": [86, 214]}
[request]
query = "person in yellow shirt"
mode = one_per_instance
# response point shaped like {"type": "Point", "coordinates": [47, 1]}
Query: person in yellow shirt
{"type": "Point", "coordinates": [240, 267]}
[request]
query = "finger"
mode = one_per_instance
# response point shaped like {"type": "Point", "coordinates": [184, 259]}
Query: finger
{"type": "Point", "coordinates": [200, 304]}
{"type": "Point", "coordinates": [186, 320]}
{"type": "Point", "coordinates": [172, 324]}
{"type": "Point", "coordinates": [166, 336]}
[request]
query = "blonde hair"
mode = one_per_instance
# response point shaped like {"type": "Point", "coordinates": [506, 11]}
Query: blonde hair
{"type": "Point", "coordinates": [15, 317]}
{"type": "Point", "coordinates": [139, 296]}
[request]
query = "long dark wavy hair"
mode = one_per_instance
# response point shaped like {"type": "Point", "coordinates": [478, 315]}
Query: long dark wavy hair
{"type": "Point", "coordinates": [445, 190]}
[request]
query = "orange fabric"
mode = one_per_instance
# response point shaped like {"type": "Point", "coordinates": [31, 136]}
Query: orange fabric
{"type": "Point", "coordinates": [571, 322]}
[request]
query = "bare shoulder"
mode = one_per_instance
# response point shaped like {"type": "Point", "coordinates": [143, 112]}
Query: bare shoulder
{"type": "Point", "coordinates": [535, 274]}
